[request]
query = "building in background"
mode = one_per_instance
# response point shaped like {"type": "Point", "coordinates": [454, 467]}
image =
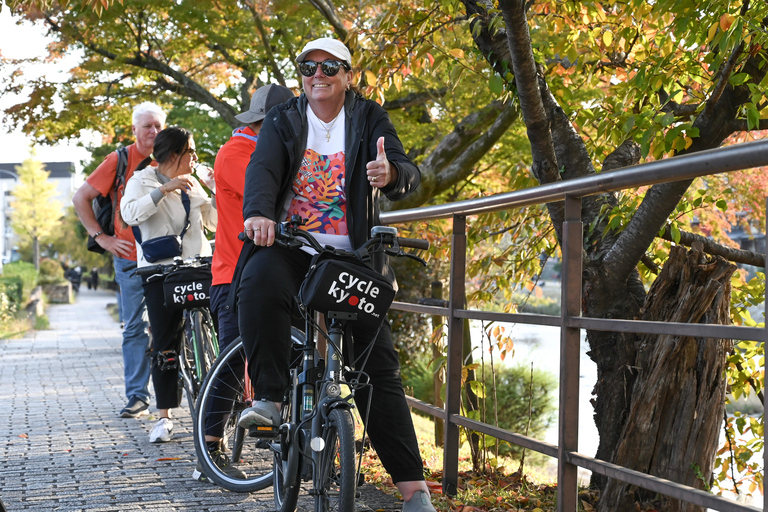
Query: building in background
{"type": "Point", "coordinates": [61, 173]}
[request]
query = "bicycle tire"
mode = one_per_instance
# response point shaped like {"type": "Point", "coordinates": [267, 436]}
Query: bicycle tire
{"type": "Point", "coordinates": [336, 481]}
{"type": "Point", "coordinates": [224, 404]}
{"type": "Point", "coordinates": [286, 469]}
{"type": "Point", "coordinates": [206, 345]}
{"type": "Point", "coordinates": [187, 366]}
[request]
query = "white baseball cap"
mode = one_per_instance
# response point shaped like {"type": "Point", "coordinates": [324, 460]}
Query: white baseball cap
{"type": "Point", "coordinates": [330, 45]}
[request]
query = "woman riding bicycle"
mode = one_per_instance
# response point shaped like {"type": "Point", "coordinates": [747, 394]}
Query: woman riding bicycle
{"type": "Point", "coordinates": [326, 156]}
{"type": "Point", "coordinates": [163, 202]}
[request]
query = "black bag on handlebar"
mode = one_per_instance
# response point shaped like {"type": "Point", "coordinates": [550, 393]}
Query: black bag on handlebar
{"type": "Point", "coordinates": [346, 284]}
{"type": "Point", "coordinates": [187, 288]}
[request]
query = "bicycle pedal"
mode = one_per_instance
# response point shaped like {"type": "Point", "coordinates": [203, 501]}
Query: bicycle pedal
{"type": "Point", "coordinates": [263, 431]}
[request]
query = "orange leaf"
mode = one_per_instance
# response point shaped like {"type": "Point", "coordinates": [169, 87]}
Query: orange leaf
{"type": "Point", "coordinates": [169, 458]}
{"type": "Point", "coordinates": [25, 436]}
{"type": "Point", "coordinates": [726, 20]}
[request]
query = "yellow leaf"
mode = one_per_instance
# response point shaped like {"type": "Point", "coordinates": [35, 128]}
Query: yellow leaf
{"type": "Point", "coordinates": [712, 31]}
{"type": "Point", "coordinates": [398, 80]}
{"type": "Point", "coordinates": [688, 142]}
{"type": "Point", "coordinates": [370, 77]}
{"type": "Point", "coordinates": [607, 38]}
{"type": "Point", "coordinates": [457, 52]}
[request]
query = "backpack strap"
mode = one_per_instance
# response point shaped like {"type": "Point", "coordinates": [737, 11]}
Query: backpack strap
{"type": "Point", "coordinates": [122, 167]}
{"type": "Point", "coordinates": [238, 132]}
{"type": "Point", "coordinates": [185, 202]}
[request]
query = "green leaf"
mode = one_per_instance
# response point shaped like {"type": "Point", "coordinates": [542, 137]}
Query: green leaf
{"type": "Point", "coordinates": [753, 117]}
{"type": "Point", "coordinates": [721, 204]}
{"type": "Point", "coordinates": [675, 233]}
{"type": "Point", "coordinates": [496, 84]}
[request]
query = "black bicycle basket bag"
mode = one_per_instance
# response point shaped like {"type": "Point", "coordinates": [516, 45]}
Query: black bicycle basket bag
{"type": "Point", "coordinates": [346, 284]}
{"type": "Point", "coordinates": [187, 287]}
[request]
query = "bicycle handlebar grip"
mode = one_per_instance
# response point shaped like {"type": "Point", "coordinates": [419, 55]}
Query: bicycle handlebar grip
{"type": "Point", "coordinates": [148, 271]}
{"type": "Point", "coordinates": [413, 243]}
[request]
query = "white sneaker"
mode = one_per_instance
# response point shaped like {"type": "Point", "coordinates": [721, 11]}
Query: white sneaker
{"type": "Point", "coordinates": [162, 432]}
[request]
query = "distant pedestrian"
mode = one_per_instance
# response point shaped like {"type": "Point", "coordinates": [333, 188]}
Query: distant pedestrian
{"type": "Point", "coordinates": [148, 120]}
{"type": "Point", "coordinates": [95, 278]}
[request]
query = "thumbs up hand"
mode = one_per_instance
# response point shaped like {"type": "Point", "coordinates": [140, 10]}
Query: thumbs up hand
{"type": "Point", "coordinates": [380, 171]}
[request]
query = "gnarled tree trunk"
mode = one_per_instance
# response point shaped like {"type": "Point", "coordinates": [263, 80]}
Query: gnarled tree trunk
{"type": "Point", "coordinates": [680, 384]}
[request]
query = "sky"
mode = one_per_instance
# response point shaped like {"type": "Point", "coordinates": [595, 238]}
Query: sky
{"type": "Point", "coordinates": [29, 41]}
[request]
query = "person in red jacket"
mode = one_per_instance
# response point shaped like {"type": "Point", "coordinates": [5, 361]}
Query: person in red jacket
{"type": "Point", "coordinates": [229, 174]}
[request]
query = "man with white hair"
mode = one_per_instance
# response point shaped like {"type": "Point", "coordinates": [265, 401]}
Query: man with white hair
{"type": "Point", "coordinates": [148, 120]}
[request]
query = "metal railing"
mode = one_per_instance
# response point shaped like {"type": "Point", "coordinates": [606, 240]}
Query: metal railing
{"type": "Point", "coordinates": [570, 321]}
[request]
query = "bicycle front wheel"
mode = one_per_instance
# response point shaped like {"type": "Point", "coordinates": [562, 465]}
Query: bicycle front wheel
{"type": "Point", "coordinates": [336, 471]}
{"type": "Point", "coordinates": [223, 397]}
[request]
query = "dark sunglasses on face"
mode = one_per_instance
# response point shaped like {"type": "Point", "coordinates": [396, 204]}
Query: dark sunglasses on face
{"type": "Point", "coordinates": [330, 67]}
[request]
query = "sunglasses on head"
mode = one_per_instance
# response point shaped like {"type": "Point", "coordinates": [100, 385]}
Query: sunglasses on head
{"type": "Point", "coordinates": [330, 67]}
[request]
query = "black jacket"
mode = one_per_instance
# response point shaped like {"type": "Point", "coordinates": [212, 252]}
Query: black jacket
{"type": "Point", "coordinates": [280, 150]}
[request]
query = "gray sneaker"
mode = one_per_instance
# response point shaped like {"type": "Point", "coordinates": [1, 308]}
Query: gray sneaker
{"type": "Point", "coordinates": [419, 502]}
{"type": "Point", "coordinates": [222, 462]}
{"type": "Point", "coordinates": [263, 413]}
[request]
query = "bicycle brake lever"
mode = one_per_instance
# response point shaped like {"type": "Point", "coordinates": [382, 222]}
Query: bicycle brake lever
{"type": "Point", "coordinates": [413, 257]}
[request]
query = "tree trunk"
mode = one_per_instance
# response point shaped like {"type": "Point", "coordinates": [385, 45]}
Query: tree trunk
{"type": "Point", "coordinates": [679, 391]}
{"type": "Point", "coordinates": [36, 252]}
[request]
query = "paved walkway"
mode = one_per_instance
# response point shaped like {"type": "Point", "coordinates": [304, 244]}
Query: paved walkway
{"type": "Point", "coordinates": [63, 447]}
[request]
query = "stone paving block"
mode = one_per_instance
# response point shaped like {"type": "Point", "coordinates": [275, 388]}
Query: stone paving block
{"type": "Point", "coordinates": [63, 446]}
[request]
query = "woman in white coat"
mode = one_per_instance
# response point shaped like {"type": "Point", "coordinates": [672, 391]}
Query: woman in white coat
{"type": "Point", "coordinates": [154, 202]}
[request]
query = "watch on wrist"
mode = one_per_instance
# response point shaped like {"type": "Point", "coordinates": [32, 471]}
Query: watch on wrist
{"type": "Point", "coordinates": [97, 234]}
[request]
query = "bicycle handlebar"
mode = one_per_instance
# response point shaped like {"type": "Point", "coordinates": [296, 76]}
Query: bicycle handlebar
{"type": "Point", "coordinates": [197, 261]}
{"type": "Point", "coordinates": [287, 232]}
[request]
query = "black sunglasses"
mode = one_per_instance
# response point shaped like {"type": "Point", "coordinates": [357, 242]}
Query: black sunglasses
{"type": "Point", "coordinates": [330, 67]}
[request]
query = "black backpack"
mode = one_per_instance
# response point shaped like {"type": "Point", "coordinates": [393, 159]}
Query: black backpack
{"type": "Point", "coordinates": [103, 207]}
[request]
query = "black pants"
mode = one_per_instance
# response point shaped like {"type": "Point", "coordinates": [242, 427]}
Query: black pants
{"type": "Point", "coordinates": [270, 280]}
{"type": "Point", "coordinates": [166, 335]}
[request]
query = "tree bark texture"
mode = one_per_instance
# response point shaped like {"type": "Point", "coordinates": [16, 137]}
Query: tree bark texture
{"type": "Point", "coordinates": [678, 394]}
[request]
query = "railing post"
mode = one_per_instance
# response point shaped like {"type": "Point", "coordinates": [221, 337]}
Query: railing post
{"type": "Point", "coordinates": [765, 340]}
{"type": "Point", "coordinates": [568, 428]}
{"type": "Point", "coordinates": [454, 354]}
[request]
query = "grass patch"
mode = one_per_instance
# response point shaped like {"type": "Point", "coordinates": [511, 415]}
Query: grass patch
{"type": "Point", "coordinates": [41, 323]}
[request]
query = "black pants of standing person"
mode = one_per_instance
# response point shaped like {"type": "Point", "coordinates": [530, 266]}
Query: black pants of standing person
{"type": "Point", "coordinates": [270, 280]}
{"type": "Point", "coordinates": [167, 335]}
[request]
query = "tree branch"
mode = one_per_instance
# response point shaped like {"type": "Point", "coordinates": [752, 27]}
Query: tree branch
{"type": "Point", "coordinates": [711, 247]}
{"type": "Point", "coordinates": [544, 166]}
{"type": "Point", "coordinates": [328, 10]}
{"type": "Point", "coordinates": [458, 152]}
{"type": "Point", "coordinates": [265, 43]}
{"type": "Point", "coordinates": [493, 46]}
{"type": "Point", "coordinates": [741, 125]}
{"type": "Point", "coordinates": [724, 75]}
{"type": "Point", "coordinates": [415, 98]}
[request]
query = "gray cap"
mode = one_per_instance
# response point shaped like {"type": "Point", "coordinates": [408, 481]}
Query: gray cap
{"type": "Point", "coordinates": [330, 45]}
{"type": "Point", "coordinates": [263, 100]}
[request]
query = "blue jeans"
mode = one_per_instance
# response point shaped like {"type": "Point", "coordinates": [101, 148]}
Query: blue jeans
{"type": "Point", "coordinates": [135, 336]}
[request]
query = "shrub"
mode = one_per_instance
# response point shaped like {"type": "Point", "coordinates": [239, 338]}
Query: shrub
{"type": "Point", "coordinates": [28, 274]}
{"type": "Point", "coordinates": [517, 396]}
{"type": "Point", "coordinates": [51, 272]}
{"type": "Point", "coordinates": [12, 289]}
